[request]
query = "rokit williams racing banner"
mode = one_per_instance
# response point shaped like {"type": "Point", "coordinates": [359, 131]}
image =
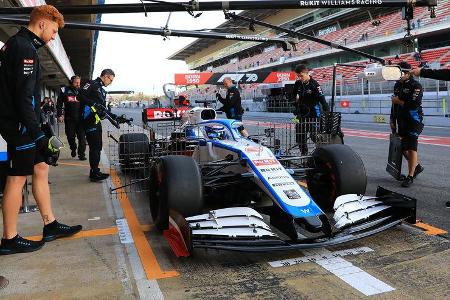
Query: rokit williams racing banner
{"type": "Point", "coordinates": [243, 78]}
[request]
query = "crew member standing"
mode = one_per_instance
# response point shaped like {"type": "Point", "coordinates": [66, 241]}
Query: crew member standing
{"type": "Point", "coordinates": [438, 74]}
{"type": "Point", "coordinates": [28, 147]}
{"type": "Point", "coordinates": [69, 112]}
{"type": "Point", "coordinates": [309, 102]}
{"type": "Point", "coordinates": [406, 119]}
{"type": "Point", "coordinates": [93, 99]}
{"type": "Point", "coordinates": [232, 103]}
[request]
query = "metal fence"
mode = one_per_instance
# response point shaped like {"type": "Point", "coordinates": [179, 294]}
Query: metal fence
{"type": "Point", "coordinates": [362, 97]}
{"type": "Point", "coordinates": [132, 149]}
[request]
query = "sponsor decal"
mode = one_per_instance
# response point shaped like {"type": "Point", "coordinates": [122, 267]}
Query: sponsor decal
{"type": "Point", "coordinates": [291, 194]}
{"type": "Point", "coordinates": [86, 86]}
{"type": "Point", "coordinates": [243, 77]}
{"type": "Point", "coordinates": [278, 177]}
{"type": "Point", "coordinates": [265, 162]}
{"type": "Point", "coordinates": [193, 78]}
{"type": "Point", "coordinates": [282, 184]}
{"type": "Point", "coordinates": [341, 3]}
{"type": "Point", "coordinates": [72, 98]}
{"type": "Point", "coordinates": [253, 149]}
{"type": "Point", "coordinates": [271, 169]}
{"type": "Point", "coordinates": [162, 114]}
{"type": "Point", "coordinates": [28, 61]}
{"type": "Point", "coordinates": [246, 37]}
{"type": "Point", "coordinates": [214, 78]}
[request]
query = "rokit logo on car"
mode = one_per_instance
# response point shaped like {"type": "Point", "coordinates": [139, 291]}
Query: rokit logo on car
{"type": "Point", "coordinates": [167, 114]}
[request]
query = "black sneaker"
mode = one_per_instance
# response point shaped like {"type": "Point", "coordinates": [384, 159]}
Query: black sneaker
{"type": "Point", "coordinates": [73, 153]}
{"type": "Point", "coordinates": [82, 157]}
{"type": "Point", "coordinates": [99, 176]}
{"type": "Point", "coordinates": [106, 175]}
{"type": "Point", "coordinates": [57, 230]}
{"type": "Point", "coordinates": [19, 245]}
{"type": "Point", "coordinates": [408, 181]}
{"type": "Point", "coordinates": [419, 169]}
{"type": "Point", "coordinates": [447, 204]}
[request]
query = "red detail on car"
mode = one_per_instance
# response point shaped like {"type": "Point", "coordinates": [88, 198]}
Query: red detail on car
{"type": "Point", "coordinates": [265, 162]}
{"type": "Point", "coordinates": [178, 236]}
{"type": "Point", "coordinates": [163, 114]}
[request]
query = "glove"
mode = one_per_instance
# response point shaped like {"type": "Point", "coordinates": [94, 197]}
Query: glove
{"type": "Point", "coordinates": [123, 119]}
{"type": "Point", "coordinates": [50, 149]}
{"type": "Point", "coordinates": [42, 144]}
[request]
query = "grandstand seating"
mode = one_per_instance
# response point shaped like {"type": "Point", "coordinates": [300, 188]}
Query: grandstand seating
{"type": "Point", "coordinates": [389, 24]}
{"type": "Point", "coordinates": [349, 75]}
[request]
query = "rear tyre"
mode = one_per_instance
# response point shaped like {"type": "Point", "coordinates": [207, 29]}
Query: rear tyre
{"type": "Point", "coordinates": [133, 150]}
{"type": "Point", "coordinates": [175, 184]}
{"type": "Point", "coordinates": [338, 170]}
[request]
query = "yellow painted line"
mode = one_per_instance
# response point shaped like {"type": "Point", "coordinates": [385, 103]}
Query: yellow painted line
{"type": "Point", "coordinates": [148, 258]}
{"type": "Point", "coordinates": [73, 164]}
{"type": "Point", "coordinates": [430, 230]}
{"type": "Point", "coordinates": [83, 234]}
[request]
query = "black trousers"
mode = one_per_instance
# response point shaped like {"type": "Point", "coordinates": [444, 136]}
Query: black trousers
{"type": "Point", "coordinates": [94, 139]}
{"type": "Point", "coordinates": [75, 129]}
{"type": "Point", "coordinates": [305, 126]}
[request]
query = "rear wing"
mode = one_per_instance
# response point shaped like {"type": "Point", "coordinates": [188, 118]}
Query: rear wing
{"type": "Point", "coordinates": [163, 114]}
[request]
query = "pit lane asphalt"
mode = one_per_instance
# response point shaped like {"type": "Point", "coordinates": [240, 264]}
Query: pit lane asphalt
{"type": "Point", "coordinates": [431, 188]}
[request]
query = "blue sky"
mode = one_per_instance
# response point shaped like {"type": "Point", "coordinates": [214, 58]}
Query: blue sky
{"type": "Point", "coordinates": [140, 61]}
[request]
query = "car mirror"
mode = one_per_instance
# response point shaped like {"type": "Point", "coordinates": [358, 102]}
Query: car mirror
{"type": "Point", "coordinates": [379, 73]}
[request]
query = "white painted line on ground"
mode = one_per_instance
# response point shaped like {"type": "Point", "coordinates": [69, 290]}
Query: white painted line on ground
{"type": "Point", "coordinates": [147, 289]}
{"type": "Point", "coordinates": [345, 270]}
{"type": "Point", "coordinates": [124, 231]}
{"type": "Point", "coordinates": [94, 219]}
{"type": "Point", "coordinates": [321, 256]}
{"type": "Point", "coordinates": [122, 267]}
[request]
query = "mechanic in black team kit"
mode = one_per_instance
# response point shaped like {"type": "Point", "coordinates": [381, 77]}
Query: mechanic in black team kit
{"type": "Point", "coordinates": [406, 119]}
{"type": "Point", "coordinates": [232, 103]}
{"type": "Point", "coordinates": [69, 112]}
{"type": "Point", "coordinates": [309, 102]}
{"type": "Point", "coordinates": [28, 147]}
{"type": "Point", "coordinates": [93, 99]}
{"type": "Point", "coordinates": [440, 74]}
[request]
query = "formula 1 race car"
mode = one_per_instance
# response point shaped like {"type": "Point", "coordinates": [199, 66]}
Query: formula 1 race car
{"type": "Point", "coordinates": [210, 187]}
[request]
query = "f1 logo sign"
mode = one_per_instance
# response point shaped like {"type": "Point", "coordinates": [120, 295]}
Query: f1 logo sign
{"type": "Point", "coordinates": [250, 77]}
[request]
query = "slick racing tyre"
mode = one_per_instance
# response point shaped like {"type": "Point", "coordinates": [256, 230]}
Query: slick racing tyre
{"type": "Point", "coordinates": [336, 170]}
{"type": "Point", "coordinates": [134, 149]}
{"type": "Point", "coordinates": [175, 184]}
